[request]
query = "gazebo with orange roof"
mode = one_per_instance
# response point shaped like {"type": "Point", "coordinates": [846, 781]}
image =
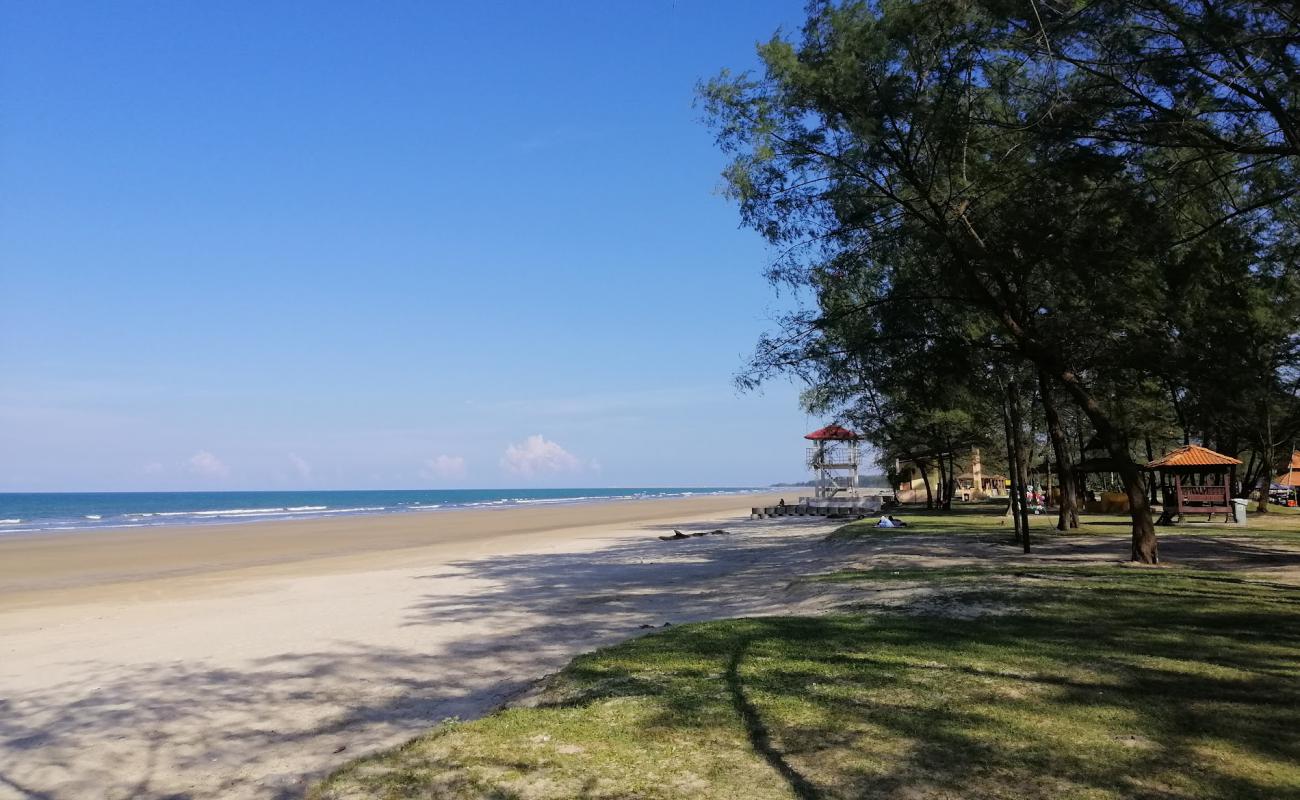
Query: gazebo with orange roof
{"type": "Point", "coordinates": [1210, 496]}
{"type": "Point", "coordinates": [1291, 478]}
{"type": "Point", "coordinates": [1292, 475]}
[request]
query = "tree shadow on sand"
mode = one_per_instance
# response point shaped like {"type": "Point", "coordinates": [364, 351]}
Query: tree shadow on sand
{"type": "Point", "coordinates": [190, 730]}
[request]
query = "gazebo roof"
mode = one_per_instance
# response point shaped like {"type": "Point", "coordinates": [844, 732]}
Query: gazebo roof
{"type": "Point", "coordinates": [834, 432]}
{"type": "Point", "coordinates": [1292, 475]}
{"type": "Point", "coordinates": [1193, 456]}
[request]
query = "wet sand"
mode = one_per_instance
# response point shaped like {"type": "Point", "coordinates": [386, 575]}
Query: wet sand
{"type": "Point", "coordinates": [49, 568]}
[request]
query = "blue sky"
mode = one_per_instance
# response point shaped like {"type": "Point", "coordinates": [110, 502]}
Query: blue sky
{"type": "Point", "coordinates": [252, 245]}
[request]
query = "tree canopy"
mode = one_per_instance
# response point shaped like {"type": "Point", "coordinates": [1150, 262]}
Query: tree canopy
{"type": "Point", "coordinates": [1101, 194]}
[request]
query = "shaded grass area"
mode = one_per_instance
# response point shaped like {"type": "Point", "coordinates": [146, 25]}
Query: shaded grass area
{"type": "Point", "coordinates": [1106, 682]}
{"type": "Point", "coordinates": [988, 521]}
{"type": "Point", "coordinates": [980, 520]}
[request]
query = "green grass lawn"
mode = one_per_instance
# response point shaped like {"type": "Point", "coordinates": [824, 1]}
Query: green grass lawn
{"type": "Point", "coordinates": [1092, 682]}
{"type": "Point", "coordinates": [987, 521]}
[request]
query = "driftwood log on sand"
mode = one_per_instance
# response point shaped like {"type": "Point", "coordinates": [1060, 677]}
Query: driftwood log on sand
{"type": "Point", "coordinates": [677, 535]}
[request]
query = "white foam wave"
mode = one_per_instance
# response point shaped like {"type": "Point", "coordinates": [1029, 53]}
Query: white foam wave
{"type": "Point", "coordinates": [252, 513]}
{"type": "Point", "coordinates": [237, 515]}
{"type": "Point", "coordinates": [547, 500]}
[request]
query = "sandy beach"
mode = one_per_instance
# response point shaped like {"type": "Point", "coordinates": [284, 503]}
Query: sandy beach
{"type": "Point", "coordinates": [242, 661]}
{"type": "Point", "coordinates": [61, 568]}
{"type": "Point", "coordinates": [246, 662]}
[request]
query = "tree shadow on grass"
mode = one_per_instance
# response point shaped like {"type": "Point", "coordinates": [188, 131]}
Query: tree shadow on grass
{"type": "Point", "coordinates": [759, 738]}
{"type": "Point", "coordinates": [998, 706]}
{"type": "Point", "coordinates": [189, 729]}
{"type": "Point", "coordinates": [1141, 686]}
{"type": "Point", "coordinates": [1141, 645]}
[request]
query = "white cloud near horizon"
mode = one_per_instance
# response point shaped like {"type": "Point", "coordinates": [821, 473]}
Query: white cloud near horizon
{"type": "Point", "coordinates": [301, 465]}
{"type": "Point", "coordinates": [445, 467]}
{"type": "Point", "coordinates": [538, 455]}
{"type": "Point", "coordinates": [206, 464]}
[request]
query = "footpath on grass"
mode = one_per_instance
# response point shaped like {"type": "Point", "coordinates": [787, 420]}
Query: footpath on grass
{"type": "Point", "coordinates": [947, 665]}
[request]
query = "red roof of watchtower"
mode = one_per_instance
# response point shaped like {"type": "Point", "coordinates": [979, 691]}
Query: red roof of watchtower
{"type": "Point", "coordinates": [832, 432]}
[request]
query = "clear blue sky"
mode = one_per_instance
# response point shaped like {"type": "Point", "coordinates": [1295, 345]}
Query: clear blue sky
{"type": "Point", "coordinates": [356, 245]}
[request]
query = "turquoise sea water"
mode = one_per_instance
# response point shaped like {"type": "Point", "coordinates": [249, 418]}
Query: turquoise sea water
{"type": "Point", "coordinates": [25, 513]}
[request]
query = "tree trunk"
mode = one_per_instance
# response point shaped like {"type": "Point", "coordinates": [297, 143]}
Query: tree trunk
{"type": "Point", "coordinates": [1267, 482]}
{"type": "Point", "coordinates": [945, 474]}
{"type": "Point", "coordinates": [952, 476]}
{"type": "Point", "coordinates": [1067, 514]}
{"type": "Point", "coordinates": [1178, 412]}
{"type": "Point", "coordinates": [925, 478]}
{"type": "Point", "coordinates": [943, 484]}
{"type": "Point", "coordinates": [1012, 495]}
{"type": "Point", "coordinates": [1021, 468]}
{"type": "Point", "coordinates": [1080, 480]}
{"type": "Point", "coordinates": [1144, 548]}
{"type": "Point", "coordinates": [1250, 477]}
{"type": "Point", "coordinates": [1151, 484]}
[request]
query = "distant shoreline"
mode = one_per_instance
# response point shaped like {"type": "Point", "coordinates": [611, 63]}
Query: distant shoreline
{"type": "Point", "coordinates": [41, 513]}
{"type": "Point", "coordinates": [61, 567]}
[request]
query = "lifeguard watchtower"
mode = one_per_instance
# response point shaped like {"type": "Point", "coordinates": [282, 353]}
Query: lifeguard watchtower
{"type": "Point", "coordinates": [834, 460]}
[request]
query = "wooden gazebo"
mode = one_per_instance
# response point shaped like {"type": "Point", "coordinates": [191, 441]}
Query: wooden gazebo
{"type": "Point", "coordinates": [1292, 475]}
{"type": "Point", "coordinates": [1201, 482]}
{"type": "Point", "coordinates": [1289, 481]}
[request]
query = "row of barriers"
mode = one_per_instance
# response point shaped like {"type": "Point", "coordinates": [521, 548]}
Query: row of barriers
{"type": "Point", "coordinates": [848, 507]}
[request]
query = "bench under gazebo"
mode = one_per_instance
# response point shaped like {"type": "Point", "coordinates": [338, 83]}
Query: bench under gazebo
{"type": "Point", "coordinates": [1196, 480]}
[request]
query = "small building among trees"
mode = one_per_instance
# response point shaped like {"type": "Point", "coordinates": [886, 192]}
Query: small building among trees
{"type": "Point", "coordinates": [922, 478]}
{"type": "Point", "coordinates": [1195, 480]}
{"type": "Point", "coordinates": [1286, 486]}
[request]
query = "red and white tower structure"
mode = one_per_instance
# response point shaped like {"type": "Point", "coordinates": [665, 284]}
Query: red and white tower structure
{"type": "Point", "coordinates": [834, 457]}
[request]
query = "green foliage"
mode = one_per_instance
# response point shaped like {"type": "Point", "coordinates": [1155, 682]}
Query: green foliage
{"type": "Point", "coordinates": [987, 522]}
{"type": "Point", "coordinates": [1105, 194]}
{"type": "Point", "coordinates": [1076, 682]}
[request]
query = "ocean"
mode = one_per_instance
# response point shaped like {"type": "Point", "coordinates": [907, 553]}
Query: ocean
{"type": "Point", "coordinates": [65, 511]}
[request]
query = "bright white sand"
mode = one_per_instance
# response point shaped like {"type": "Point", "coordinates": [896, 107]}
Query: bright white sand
{"type": "Point", "coordinates": [245, 662]}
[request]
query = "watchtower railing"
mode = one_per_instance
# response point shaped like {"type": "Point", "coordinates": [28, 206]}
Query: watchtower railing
{"type": "Point", "coordinates": [835, 454]}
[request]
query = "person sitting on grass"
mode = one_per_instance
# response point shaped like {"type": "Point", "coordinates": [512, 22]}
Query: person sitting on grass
{"type": "Point", "coordinates": [890, 521]}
